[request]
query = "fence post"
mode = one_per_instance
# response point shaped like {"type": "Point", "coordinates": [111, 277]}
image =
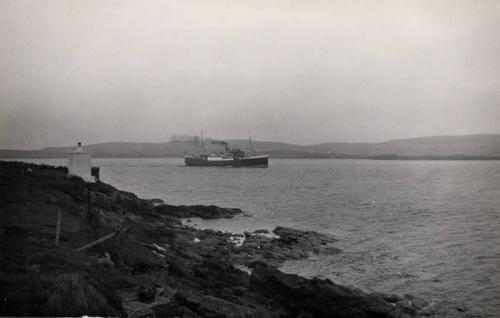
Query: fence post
{"type": "Point", "coordinates": [58, 227]}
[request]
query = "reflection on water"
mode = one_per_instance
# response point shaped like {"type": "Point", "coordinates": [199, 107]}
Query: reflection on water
{"type": "Point", "coordinates": [429, 228]}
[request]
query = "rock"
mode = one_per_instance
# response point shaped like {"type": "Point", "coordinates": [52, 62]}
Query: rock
{"type": "Point", "coordinates": [167, 232]}
{"type": "Point", "coordinates": [291, 244]}
{"type": "Point", "coordinates": [143, 313]}
{"type": "Point", "coordinates": [190, 254]}
{"type": "Point", "coordinates": [139, 258]}
{"type": "Point", "coordinates": [217, 274]}
{"type": "Point", "coordinates": [172, 310]}
{"type": "Point", "coordinates": [159, 248]}
{"type": "Point", "coordinates": [166, 310]}
{"type": "Point", "coordinates": [202, 211]}
{"type": "Point", "coordinates": [261, 231]}
{"type": "Point", "coordinates": [417, 302]}
{"type": "Point", "coordinates": [178, 266]}
{"type": "Point", "coordinates": [155, 201]}
{"type": "Point", "coordinates": [322, 298]}
{"type": "Point", "coordinates": [460, 309]}
{"type": "Point", "coordinates": [290, 236]}
{"type": "Point", "coordinates": [210, 306]}
{"type": "Point", "coordinates": [389, 297]}
{"type": "Point", "coordinates": [146, 294]}
{"type": "Point", "coordinates": [239, 290]}
{"type": "Point", "coordinates": [106, 260]}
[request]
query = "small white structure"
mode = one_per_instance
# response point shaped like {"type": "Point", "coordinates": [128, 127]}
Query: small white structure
{"type": "Point", "coordinates": [79, 164]}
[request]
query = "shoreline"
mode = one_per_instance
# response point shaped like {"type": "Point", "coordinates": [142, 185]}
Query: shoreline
{"type": "Point", "coordinates": [152, 264]}
{"type": "Point", "coordinates": [387, 157]}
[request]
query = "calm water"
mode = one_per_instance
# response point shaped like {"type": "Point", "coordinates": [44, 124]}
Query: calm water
{"type": "Point", "coordinates": [428, 228]}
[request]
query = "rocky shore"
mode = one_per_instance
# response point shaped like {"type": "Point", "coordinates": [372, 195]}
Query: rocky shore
{"type": "Point", "coordinates": [119, 255]}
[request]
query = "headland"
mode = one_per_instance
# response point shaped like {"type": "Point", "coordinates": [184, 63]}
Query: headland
{"type": "Point", "coordinates": [71, 248]}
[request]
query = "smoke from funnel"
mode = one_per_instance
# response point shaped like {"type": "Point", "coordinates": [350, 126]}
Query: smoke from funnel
{"type": "Point", "coordinates": [191, 138]}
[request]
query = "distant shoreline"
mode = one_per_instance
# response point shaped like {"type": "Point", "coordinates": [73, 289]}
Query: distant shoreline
{"type": "Point", "coordinates": [467, 147]}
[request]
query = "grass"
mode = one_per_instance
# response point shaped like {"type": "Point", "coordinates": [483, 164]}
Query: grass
{"type": "Point", "coordinates": [60, 283]}
{"type": "Point", "coordinates": [71, 295]}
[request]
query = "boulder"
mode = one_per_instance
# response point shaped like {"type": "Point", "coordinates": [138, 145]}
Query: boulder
{"type": "Point", "coordinates": [146, 294]}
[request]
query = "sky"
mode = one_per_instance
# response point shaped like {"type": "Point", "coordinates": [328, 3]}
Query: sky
{"type": "Point", "coordinates": [303, 72]}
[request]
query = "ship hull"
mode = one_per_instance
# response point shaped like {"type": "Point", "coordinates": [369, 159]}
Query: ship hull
{"type": "Point", "coordinates": [202, 161]}
{"type": "Point", "coordinates": [253, 161]}
{"type": "Point", "coordinates": [208, 162]}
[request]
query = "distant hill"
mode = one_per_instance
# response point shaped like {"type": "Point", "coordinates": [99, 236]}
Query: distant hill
{"type": "Point", "coordinates": [468, 145]}
{"type": "Point", "coordinates": [439, 147]}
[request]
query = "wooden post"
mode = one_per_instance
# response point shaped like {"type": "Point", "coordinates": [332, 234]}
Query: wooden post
{"type": "Point", "coordinates": [102, 239]}
{"type": "Point", "coordinates": [58, 227]}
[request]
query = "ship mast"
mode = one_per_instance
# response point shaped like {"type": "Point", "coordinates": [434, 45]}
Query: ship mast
{"type": "Point", "coordinates": [202, 144]}
{"type": "Point", "coordinates": [251, 143]}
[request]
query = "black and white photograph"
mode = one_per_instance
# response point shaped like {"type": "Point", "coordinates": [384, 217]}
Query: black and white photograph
{"type": "Point", "coordinates": [250, 158]}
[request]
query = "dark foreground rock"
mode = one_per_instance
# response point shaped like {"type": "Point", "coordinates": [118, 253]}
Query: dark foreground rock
{"type": "Point", "coordinates": [322, 298]}
{"type": "Point", "coordinates": [149, 263]}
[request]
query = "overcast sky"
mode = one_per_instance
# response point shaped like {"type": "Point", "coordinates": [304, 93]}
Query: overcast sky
{"type": "Point", "coordinates": [295, 71]}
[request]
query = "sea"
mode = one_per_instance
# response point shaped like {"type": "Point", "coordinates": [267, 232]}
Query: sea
{"type": "Point", "coordinates": [426, 228]}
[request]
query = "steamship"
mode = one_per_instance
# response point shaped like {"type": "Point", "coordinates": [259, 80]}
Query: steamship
{"type": "Point", "coordinates": [230, 158]}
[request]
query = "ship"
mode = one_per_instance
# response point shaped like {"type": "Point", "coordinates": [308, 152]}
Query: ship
{"type": "Point", "coordinates": [230, 157]}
